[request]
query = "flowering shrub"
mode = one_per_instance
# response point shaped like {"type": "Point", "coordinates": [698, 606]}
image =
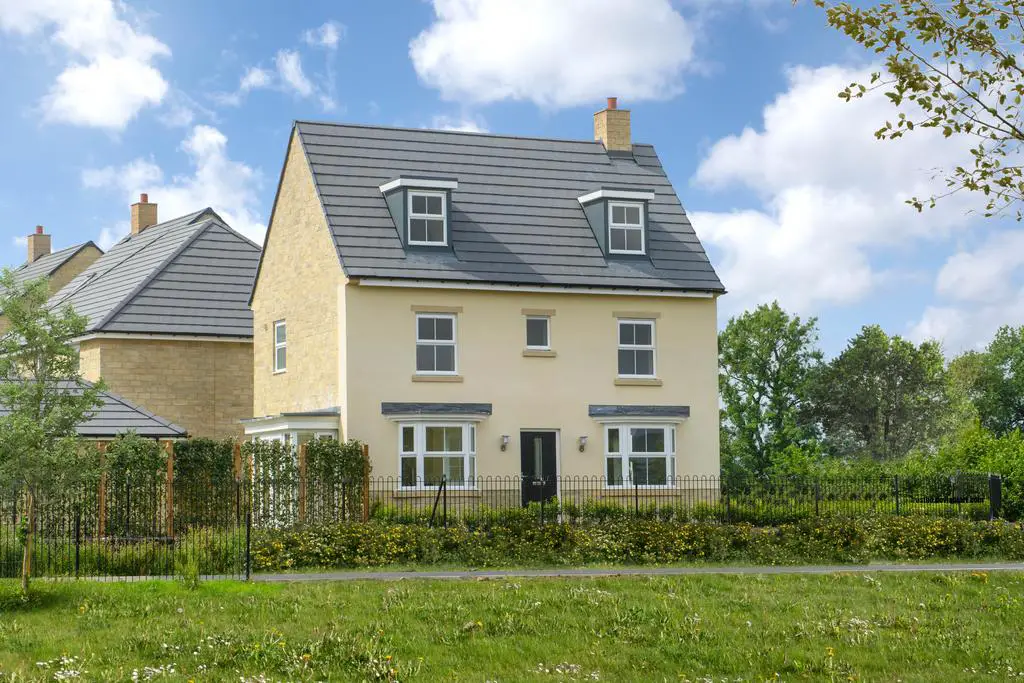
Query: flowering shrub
{"type": "Point", "coordinates": [636, 541]}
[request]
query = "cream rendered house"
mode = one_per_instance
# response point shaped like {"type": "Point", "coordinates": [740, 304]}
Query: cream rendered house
{"type": "Point", "coordinates": [474, 305]}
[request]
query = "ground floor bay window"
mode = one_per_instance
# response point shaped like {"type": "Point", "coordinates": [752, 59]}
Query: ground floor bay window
{"type": "Point", "coordinates": [430, 453]}
{"type": "Point", "coordinates": [639, 455]}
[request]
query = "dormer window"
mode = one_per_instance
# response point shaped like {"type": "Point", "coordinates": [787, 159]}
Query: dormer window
{"type": "Point", "coordinates": [419, 208]}
{"type": "Point", "coordinates": [428, 219]}
{"type": "Point", "coordinates": [619, 220]}
{"type": "Point", "coordinates": [626, 228]}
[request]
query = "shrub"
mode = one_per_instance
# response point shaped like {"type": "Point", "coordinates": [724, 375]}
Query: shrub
{"type": "Point", "coordinates": [636, 541]}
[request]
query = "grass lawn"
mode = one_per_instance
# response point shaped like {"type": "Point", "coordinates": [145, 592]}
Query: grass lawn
{"type": "Point", "coordinates": [910, 627]}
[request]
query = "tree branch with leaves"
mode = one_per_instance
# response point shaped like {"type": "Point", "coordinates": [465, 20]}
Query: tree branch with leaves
{"type": "Point", "coordinates": [952, 66]}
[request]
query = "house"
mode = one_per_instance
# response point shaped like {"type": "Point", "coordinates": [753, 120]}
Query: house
{"type": "Point", "coordinates": [169, 327]}
{"type": "Point", "coordinates": [58, 267]}
{"type": "Point", "coordinates": [117, 415]}
{"type": "Point", "coordinates": [485, 305]}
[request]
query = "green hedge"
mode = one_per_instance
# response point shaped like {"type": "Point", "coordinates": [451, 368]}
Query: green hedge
{"type": "Point", "coordinates": [644, 541]}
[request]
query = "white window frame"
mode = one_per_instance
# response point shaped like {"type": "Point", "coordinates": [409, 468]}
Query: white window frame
{"type": "Point", "coordinates": [429, 217]}
{"type": "Point", "coordinates": [547, 327]}
{"type": "Point", "coordinates": [641, 227]}
{"type": "Point", "coordinates": [652, 347]}
{"type": "Point", "coordinates": [278, 324]}
{"type": "Point", "coordinates": [419, 452]}
{"type": "Point", "coordinates": [625, 453]}
{"type": "Point", "coordinates": [454, 343]}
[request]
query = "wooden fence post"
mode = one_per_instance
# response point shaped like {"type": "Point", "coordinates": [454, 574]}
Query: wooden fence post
{"type": "Point", "coordinates": [366, 482]}
{"type": "Point", "coordinates": [237, 465]}
{"type": "Point", "coordinates": [302, 483]}
{"type": "Point", "coordinates": [169, 447]}
{"type": "Point", "coordinates": [101, 494]}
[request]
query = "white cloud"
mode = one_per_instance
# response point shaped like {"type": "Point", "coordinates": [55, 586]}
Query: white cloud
{"type": "Point", "coordinates": [230, 187]}
{"type": "Point", "coordinates": [979, 290]}
{"type": "Point", "coordinates": [110, 76]}
{"type": "Point", "coordinates": [20, 241]}
{"type": "Point", "coordinates": [289, 69]}
{"type": "Point", "coordinates": [327, 36]}
{"type": "Point", "coordinates": [254, 78]}
{"type": "Point", "coordinates": [556, 54]}
{"type": "Point", "coordinates": [286, 76]}
{"type": "Point", "coordinates": [465, 124]}
{"type": "Point", "coordinates": [832, 196]}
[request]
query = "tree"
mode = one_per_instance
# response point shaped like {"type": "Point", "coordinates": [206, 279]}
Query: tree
{"type": "Point", "coordinates": [765, 358]}
{"type": "Point", "coordinates": [952, 66]}
{"type": "Point", "coordinates": [44, 400]}
{"type": "Point", "coordinates": [998, 389]}
{"type": "Point", "coordinates": [882, 396]}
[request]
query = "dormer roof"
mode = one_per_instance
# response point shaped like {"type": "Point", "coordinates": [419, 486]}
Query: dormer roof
{"type": "Point", "coordinates": [515, 216]}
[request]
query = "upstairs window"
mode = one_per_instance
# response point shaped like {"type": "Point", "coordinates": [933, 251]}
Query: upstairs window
{"type": "Point", "coordinates": [626, 228]}
{"type": "Point", "coordinates": [435, 344]}
{"type": "Point", "coordinates": [428, 219]}
{"type": "Point", "coordinates": [538, 332]}
{"type": "Point", "coordinates": [636, 348]}
{"type": "Point", "coordinates": [280, 346]}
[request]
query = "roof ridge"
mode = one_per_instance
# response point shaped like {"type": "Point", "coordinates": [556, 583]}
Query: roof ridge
{"type": "Point", "coordinates": [470, 133]}
{"type": "Point", "coordinates": [113, 313]}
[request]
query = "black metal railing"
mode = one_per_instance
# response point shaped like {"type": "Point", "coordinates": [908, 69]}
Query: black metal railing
{"type": "Point", "coordinates": [127, 531]}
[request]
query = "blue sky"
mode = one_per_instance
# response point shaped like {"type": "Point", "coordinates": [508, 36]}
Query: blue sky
{"type": "Point", "coordinates": [793, 197]}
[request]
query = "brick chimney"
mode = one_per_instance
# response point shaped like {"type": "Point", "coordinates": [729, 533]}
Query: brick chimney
{"type": "Point", "coordinates": [611, 127]}
{"type": "Point", "coordinates": [143, 214]}
{"type": "Point", "coordinates": [38, 245]}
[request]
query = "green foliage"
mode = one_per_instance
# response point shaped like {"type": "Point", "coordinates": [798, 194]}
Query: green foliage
{"type": "Point", "coordinates": [273, 469]}
{"type": "Point", "coordinates": [136, 485]}
{"type": "Point", "coordinates": [882, 396]}
{"type": "Point", "coordinates": [954, 67]}
{"type": "Point", "coordinates": [334, 472]}
{"type": "Point", "coordinates": [205, 488]}
{"type": "Point", "coordinates": [765, 359]}
{"type": "Point", "coordinates": [42, 393]}
{"type": "Point", "coordinates": [637, 541]}
{"type": "Point", "coordinates": [978, 449]}
{"type": "Point", "coordinates": [998, 387]}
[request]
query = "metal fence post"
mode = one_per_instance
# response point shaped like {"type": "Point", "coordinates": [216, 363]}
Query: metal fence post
{"type": "Point", "coordinates": [817, 497]}
{"type": "Point", "coordinates": [248, 545]}
{"type": "Point", "coordinates": [169, 446]}
{"type": "Point", "coordinates": [995, 496]}
{"type": "Point", "coordinates": [444, 504]}
{"type": "Point", "coordinates": [366, 482]}
{"type": "Point", "coordinates": [896, 487]}
{"type": "Point", "coordinates": [78, 537]}
{"type": "Point", "coordinates": [636, 498]}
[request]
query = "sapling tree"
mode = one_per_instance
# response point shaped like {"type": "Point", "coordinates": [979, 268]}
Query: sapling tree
{"type": "Point", "coordinates": [42, 401]}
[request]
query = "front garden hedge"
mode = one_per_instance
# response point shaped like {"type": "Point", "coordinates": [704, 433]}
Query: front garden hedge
{"type": "Point", "coordinates": [637, 541]}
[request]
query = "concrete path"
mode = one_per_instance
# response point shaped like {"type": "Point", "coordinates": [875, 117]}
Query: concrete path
{"type": "Point", "coordinates": [639, 571]}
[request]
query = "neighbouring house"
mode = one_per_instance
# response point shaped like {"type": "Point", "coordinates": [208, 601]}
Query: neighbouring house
{"type": "Point", "coordinates": [58, 267]}
{"type": "Point", "coordinates": [117, 415]}
{"type": "Point", "coordinates": [169, 327]}
{"type": "Point", "coordinates": [484, 305]}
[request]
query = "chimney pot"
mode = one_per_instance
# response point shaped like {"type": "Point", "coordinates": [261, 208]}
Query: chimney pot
{"type": "Point", "coordinates": [143, 214]}
{"type": "Point", "coordinates": [613, 102]}
{"type": "Point", "coordinates": [39, 230]}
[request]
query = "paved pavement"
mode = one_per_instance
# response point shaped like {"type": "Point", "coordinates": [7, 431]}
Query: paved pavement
{"type": "Point", "coordinates": [639, 571]}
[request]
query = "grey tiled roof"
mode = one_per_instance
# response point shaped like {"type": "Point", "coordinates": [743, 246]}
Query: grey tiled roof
{"type": "Point", "coordinates": [118, 415]}
{"type": "Point", "coordinates": [515, 217]}
{"type": "Point", "coordinates": [638, 411]}
{"type": "Point", "coordinates": [46, 266]}
{"type": "Point", "coordinates": [191, 275]}
{"type": "Point", "coordinates": [435, 408]}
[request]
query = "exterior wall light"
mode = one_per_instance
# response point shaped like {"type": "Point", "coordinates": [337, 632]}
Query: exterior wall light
{"type": "Point", "coordinates": [505, 438]}
{"type": "Point", "coordinates": [582, 442]}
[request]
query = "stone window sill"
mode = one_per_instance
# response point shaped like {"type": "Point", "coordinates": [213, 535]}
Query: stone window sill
{"type": "Point", "coordinates": [638, 382]}
{"type": "Point", "coordinates": [539, 353]}
{"type": "Point", "coordinates": [437, 378]}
